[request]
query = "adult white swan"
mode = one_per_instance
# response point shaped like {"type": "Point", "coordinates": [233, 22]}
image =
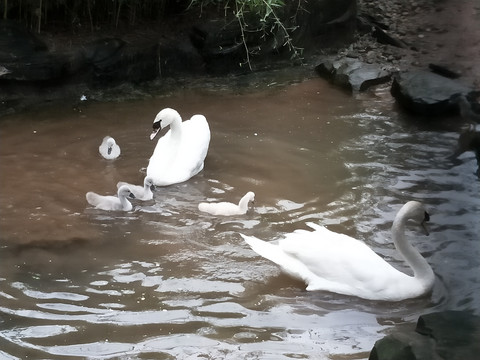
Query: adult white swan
{"type": "Point", "coordinates": [109, 148]}
{"type": "Point", "coordinates": [141, 192]}
{"type": "Point", "coordinates": [228, 208]}
{"type": "Point", "coordinates": [180, 153]}
{"type": "Point", "coordinates": [338, 263]}
{"type": "Point", "coordinates": [108, 202]}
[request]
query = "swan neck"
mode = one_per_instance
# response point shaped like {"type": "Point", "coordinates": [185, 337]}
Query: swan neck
{"type": "Point", "coordinates": [421, 269]}
{"type": "Point", "coordinates": [243, 203]}
{"type": "Point", "coordinates": [176, 126]}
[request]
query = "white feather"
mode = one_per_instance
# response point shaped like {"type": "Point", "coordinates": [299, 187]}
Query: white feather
{"type": "Point", "coordinates": [338, 263]}
{"type": "Point", "coordinates": [109, 202]}
{"type": "Point", "coordinates": [109, 148]}
{"type": "Point", "coordinates": [181, 152]}
{"type": "Point", "coordinates": [227, 208]}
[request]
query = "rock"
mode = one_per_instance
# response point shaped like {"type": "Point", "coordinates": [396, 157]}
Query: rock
{"type": "Point", "coordinates": [128, 63]}
{"type": "Point", "coordinates": [223, 42]}
{"type": "Point", "coordinates": [25, 57]}
{"type": "Point", "coordinates": [352, 74]}
{"type": "Point", "coordinates": [444, 71]}
{"type": "Point", "coordinates": [442, 335]}
{"type": "Point", "coordinates": [426, 93]}
{"type": "Point", "coordinates": [392, 348]}
{"type": "Point", "coordinates": [180, 57]}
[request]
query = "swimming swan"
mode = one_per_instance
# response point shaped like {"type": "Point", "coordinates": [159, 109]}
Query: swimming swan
{"type": "Point", "coordinates": [109, 202]}
{"type": "Point", "coordinates": [109, 148]}
{"type": "Point", "coordinates": [180, 153]}
{"type": "Point", "coordinates": [141, 192]}
{"type": "Point", "coordinates": [338, 263]}
{"type": "Point", "coordinates": [227, 208]}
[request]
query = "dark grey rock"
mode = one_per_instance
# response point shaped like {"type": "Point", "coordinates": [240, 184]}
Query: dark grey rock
{"type": "Point", "coordinates": [456, 334]}
{"type": "Point", "coordinates": [442, 335]}
{"type": "Point", "coordinates": [426, 93]}
{"type": "Point", "coordinates": [352, 74]}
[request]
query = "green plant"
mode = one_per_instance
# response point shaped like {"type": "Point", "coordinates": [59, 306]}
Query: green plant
{"type": "Point", "coordinates": [258, 16]}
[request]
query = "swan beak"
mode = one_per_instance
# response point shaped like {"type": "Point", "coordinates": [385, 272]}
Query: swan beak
{"type": "Point", "coordinates": [131, 196]}
{"type": "Point", "coordinates": [152, 187]}
{"type": "Point", "coordinates": [154, 133]}
{"type": "Point", "coordinates": [424, 223]}
{"type": "Point", "coordinates": [156, 128]}
{"type": "Point", "coordinates": [109, 151]}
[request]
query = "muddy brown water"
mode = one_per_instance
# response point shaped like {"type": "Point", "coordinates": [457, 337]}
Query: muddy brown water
{"type": "Point", "coordinates": [167, 282]}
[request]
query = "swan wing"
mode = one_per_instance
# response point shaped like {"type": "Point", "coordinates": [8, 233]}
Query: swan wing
{"type": "Point", "coordinates": [337, 257]}
{"type": "Point", "coordinates": [274, 253]}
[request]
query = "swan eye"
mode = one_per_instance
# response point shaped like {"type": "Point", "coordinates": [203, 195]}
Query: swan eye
{"type": "Point", "coordinates": [427, 217]}
{"type": "Point", "coordinates": [156, 125]}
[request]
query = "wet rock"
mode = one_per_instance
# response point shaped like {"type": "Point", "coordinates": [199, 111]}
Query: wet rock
{"type": "Point", "coordinates": [441, 335]}
{"type": "Point", "coordinates": [426, 93]}
{"type": "Point", "coordinates": [116, 63]}
{"type": "Point", "coordinates": [352, 74]}
{"type": "Point", "coordinates": [25, 57]}
{"type": "Point", "coordinates": [180, 57]}
{"type": "Point", "coordinates": [230, 47]}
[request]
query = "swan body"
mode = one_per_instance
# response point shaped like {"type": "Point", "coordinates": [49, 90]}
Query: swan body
{"type": "Point", "coordinates": [108, 202]}
{"type": "Point", "coordinates": [227, 208]}
{"type": "Point", "coordinates": [338, 263]}
{"type": "Point", "coordinates": [180, 153]}
{"type": "Point", "coordinates": [141, 192]}
{"type": "Point", "coordinates": [109, 148]}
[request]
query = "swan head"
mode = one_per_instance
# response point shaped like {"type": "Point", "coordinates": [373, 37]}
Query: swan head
{"type": "Point", "coordinates": [416, 211]}
{"type": "Point", "coordinates": [250, 196]}
{"type": "Point", "coordinates": [164, 118]}
{"type": "Point", "coordinates": [124, 191]}
{"type": "Point", "coordinates": [148, 181]}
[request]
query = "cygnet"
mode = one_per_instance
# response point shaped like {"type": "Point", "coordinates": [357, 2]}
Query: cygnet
{"type": "Point", "coordinates": [109, 148]}
{"type": "Point", "coordinates": [227, 208]}
{"type": "Point", "coordinates": [109, 202]}
{"type": "Point", "coordinates": [141, 192]}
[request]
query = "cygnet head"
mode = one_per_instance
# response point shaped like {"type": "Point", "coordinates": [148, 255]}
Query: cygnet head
{"type": "Point", "coordinates": [110, 144]}
{"type": "Point", "coordinates": [148, 181]}
{"type": "Point", "coordinates": [251, 196]}
{"type": "Point", "coordinates": [163, 119]}
{"type": "Point", "coordinates": [124, 191]}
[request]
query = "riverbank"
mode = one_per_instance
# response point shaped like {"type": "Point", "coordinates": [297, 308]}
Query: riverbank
{"type": "Point", "coordinates": [398, 35]}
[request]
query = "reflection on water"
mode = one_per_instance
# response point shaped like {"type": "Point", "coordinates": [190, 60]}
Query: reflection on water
{"type": "Point", "coordinates": [165, 281]}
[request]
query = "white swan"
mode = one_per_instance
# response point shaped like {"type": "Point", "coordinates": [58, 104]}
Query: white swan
{"type": "Point", "coordinates": [109, 202]}
{"type": "Point", "coordinates": [180, 153]}
{"type": "Point", "coordinates": [334, 262]}
{"type": "Point", "coordinates": [109, 148]}
{"type": "Point", "coordinates": [227, 208]}
{"type": "Point", "coordinates": [141, 192]}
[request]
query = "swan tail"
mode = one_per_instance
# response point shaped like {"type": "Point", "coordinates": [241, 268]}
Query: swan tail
{"type": "Point", "coordinates": [276, 254]}
{"type": "Point", "coordinates": [263, 248]}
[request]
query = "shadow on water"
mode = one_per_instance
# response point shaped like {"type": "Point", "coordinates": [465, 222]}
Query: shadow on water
{"type": "Point", "coordinates": [165, 281]}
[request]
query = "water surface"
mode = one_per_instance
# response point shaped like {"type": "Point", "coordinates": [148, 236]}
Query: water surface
{"type": "Point", "coordinates": [165, 281]}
